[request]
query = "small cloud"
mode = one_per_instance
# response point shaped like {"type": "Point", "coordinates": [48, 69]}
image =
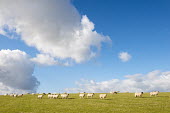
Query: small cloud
{"type": "Point", "coordinates": [124, 56]}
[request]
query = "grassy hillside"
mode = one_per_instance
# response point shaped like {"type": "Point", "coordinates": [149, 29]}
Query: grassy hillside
{"type": "Point", "coordinates": [117, 103]}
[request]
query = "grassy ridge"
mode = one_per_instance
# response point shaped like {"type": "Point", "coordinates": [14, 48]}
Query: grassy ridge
{"type": "Point", "coordinates": [117, 103]}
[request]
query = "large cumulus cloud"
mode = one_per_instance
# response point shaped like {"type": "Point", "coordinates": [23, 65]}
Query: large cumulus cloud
{"type": "Point", "coordinates": [54, 27]}
{"type": "Point", "coordinates": [16, 72]}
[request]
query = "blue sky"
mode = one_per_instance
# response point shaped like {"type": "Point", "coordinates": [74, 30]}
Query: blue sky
{"type": "Point", "coordinates": [138, 27]}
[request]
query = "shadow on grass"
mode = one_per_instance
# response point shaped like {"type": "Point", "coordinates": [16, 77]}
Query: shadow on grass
{"type": "Point", "coordinates": [97, 99]}
{"type": "Point", "coordinates": [153, 97]}
{"type": "Point", "coordinates": [146, 97]}
{"type": "Point", "coordinates": [107, 99]}
{"type": "Point", "coordinates": [162, 96]}
{"type": "Point", "coordinates": [66, 98]}
{"type": "Point", "coordinates": [71, 98]}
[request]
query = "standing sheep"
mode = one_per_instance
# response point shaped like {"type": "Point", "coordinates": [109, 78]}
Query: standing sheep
{"type": "Point", "coordinates": [56, 96]}
{"type": "Point", "coordinates": [114, 92]}
{"type": "Point", "coordinates": [138, 94]}
{"type": "Point", "coordinates": [5, 94]}
{"type": "Point", "coordinates": [102, 96]}
{"type": "Point", "coordinates": [90, 95]}
{"type": "Point", "coordinates": [15, 95]}
{"type": "Point", "coordinates": [81, 95]}
{"type": "Point", "coordinates": [40, 96]}
{"type": "Point", "coordinates": [50, 96]}
{"type": "Point", "coordinates": [155, 93]}
{"type": "Point", "coordinates": [64, 96]}
{"type": "Point", "coordinates": [20, 95]}
{"type": "Point", "coordinates": [33, 93]}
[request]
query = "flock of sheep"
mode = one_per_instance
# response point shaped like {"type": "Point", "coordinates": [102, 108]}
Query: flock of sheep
{"type": "Point", "coordinates": [65, 96]}
{"type": "Point", "coordinates": [81, 95]}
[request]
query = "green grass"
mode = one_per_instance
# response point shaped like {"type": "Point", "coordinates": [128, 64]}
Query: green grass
{"type": "Point", "coordinates": [117, 103]}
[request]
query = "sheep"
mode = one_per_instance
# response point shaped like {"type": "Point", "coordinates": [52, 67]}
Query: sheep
{"type": "Point", "coordinates": [20, 95]}
{"type": "Point", "coordinates": [90, 95]}
{"type": "Point", "coordinates": [81, 95]}
{"type": "Point", "coordinates": [64, 96]}
{"type": "Point", "coordinates": [15, 95]}
{"type": "Point", "coordinates": [102, 96]}
{"type": "Point", "coordinates": [40, 96]}
{"type": "Point", "coordinates": [50, 96]}
{"type": "Point", "coordinates": [114, 92]}
{"type": "Point", "coordinates": [56, 96]}
{"type": "Point", "coordinates": [138, 94]}
{"type": "Point", "coordinates": [155, 93]}
{"type": "Point", "coordinates": [5, 94]}
{"type": "Point", "coordinates": [11, 95]}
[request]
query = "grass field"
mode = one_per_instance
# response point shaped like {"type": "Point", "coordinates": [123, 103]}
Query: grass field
{"type": "Point", "coordinates": [117, 103]}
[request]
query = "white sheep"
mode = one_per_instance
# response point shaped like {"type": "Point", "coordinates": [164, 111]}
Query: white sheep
{"type": "Point", "coordinates": [40, 96]}
{"type": "Point", "coordinates": [50, 96]}
{"type": "Point", "coordinates": [11, 95]}
{"type": "Point", "coordinates": [20, 95]}
{"type": "Point", "coordinates": [15, 95]}
{"type": "Point", "coordinates": [81, 95]}
{"type": "Point", "coordinates": [155, 93]}
{"type": "Point", "coordinates": [64, 96]}
{"type": "Point", "coordinates": [102, 96]}
{"type": "Point", "coordinates": [138, 94]}
{"type": "Point", "coordinates": [56, 96]}
{"type": "Point", "coordinates": [5, 94]}
{"type": "Point", "coordinates": [90, 95]}
{"type": "Point", "coordinates": [114, 92]}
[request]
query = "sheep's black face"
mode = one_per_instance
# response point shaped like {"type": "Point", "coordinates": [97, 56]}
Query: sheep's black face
{"type": "Point", "coordinates": [142, 92]}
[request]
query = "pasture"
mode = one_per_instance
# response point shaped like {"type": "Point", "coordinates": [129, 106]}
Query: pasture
{"type": "Point", "coordinates": [114, 103]}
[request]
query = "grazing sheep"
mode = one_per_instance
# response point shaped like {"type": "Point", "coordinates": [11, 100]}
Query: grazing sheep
{"type": "Point", "coordinates": [114, 92]}
{"type": "Point", "coordinates": [90, 95]}
{"type": "Point", "coordinates": [15, 95]}
{"type": "Point", "coordinates": [20, 95]}
{"type": "Point", "coordinates": [81, 95]}
{"type": "Point", "coordinates": [102, 96]}
{"type": "Point", "coordinates": [11, 95]}
{"type": "Point", "coordinates": [5, 94]}
{"type": "Point", "coordinates": [138, 94]}
{"type": "Point", "coordinates": [50, 96]}
{"type": "Point", "coordinates": [56, 96]}
{"type": "Point", "coordinates": [40, 96]}
{"type": "Point", "coordinates": [64, 96]}
{"type": "Point", "coordinates": [155, 93]}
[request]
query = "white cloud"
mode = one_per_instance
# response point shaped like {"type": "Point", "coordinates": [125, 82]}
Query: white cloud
{"type": "Point", "coordinates": [124, 56]}
{"type": "Point", "coordinates": [152, 81]}
{"type": "Point", "coordinates": [16, 72]}
{"type": "Point", "coordinates": [54, 27]}
{"type": "Point", "coordinates": [43, 59]}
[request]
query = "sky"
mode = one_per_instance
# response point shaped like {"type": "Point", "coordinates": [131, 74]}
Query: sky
{"type": "Point", "coordinates": [84, 46]}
